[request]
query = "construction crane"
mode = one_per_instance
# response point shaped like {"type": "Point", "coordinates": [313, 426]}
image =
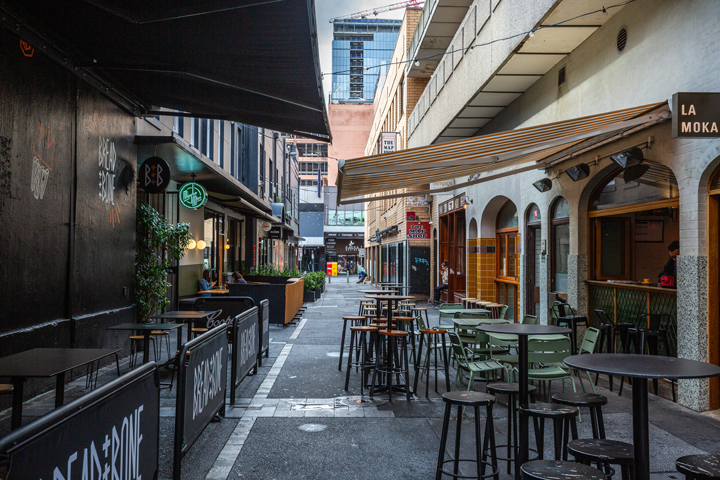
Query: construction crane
{"type": "Point", "coordinates": [376, 11]}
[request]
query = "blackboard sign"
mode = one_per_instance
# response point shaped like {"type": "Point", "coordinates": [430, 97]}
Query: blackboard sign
{"type": "Point", "coordinates": [154, 175]}
{"type": "Point", "coordinates": [695, 115]}
{"type": "Point", "coordinates": [246, 342]}
{"type": "Point", "coordinates": [112, 432]}
{"type": "Point", "coordinates": [264, 312]}
{"type": "Point", "coordinates": [226, 308]}
{"type": "Point", "coordinates": [419, 258]}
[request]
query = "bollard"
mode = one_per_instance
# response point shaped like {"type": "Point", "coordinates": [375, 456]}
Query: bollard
{"type": "Point", "coordinates": [329, 277]}
{"type": "Point", "coordinates": [347, 275]}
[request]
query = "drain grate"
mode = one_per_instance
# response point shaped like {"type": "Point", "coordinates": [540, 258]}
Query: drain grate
{"type": "Point", "coordinates": [359, 401]}
{"type": "Point", "coordinates": [307, 407]}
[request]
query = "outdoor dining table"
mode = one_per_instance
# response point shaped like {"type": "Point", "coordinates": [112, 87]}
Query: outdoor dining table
{"type": "Point", "coordinates": [468, 310]}
{"type": "Point", "coordinates": [377, 292]}
{"type": "Point", "coordinates": [523, 332]}
{"type": "Point", "coordinates": [474, 322]}
{"type": "Point", "coordinates": [641, 368]}
{"type": "Point", "coordinates": [185, 316]}
{"type": "Point", "coordinates": [146, 329]}
{"type": "Point", "coordinates": [392, 304]}
{"type": "Point", "coordinates": [45, 363]}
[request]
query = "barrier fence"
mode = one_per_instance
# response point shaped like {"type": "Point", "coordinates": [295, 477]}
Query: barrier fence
{"type": "Point", "coordinates": [245, 348]}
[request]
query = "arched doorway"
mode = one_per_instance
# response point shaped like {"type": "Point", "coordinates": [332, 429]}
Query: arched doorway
{"type": "Point", "coordinates": [452, 246]}
{"type": "Point", "coordinates": [713, 244]}
{"type": "Point", "coordinates": [507, 265]}
{"type": "Point", "coordinates": [533, 250]}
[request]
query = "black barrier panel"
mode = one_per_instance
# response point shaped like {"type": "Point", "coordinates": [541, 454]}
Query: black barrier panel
{"type": "Point", "coordinates": [264, 330]}
{"type": "Point", "coordinates": [225, 308]}
{"type": "Point", "coordinates": [110, 433]}
{"type": "Point", "coordinates": [245, 348]}
{"type": "Point", "coordinates": [202, 384]}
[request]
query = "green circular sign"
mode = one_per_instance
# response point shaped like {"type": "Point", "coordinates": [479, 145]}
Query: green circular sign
{"type": "Point", "coordinates": [192, 195]}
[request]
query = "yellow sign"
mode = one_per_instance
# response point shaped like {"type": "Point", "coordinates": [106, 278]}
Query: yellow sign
{"type": "Point", "coordinates": [334, 269]}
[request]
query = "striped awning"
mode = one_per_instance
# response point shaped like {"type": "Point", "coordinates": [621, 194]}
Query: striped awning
{"type": "Point", "coordinates": [433, 163]}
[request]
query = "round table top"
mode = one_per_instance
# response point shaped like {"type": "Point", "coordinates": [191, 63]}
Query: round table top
{"type": "Point", "coordinates": [642, 366]}
{"type": "Point", "coordinates": [520, 329]}
{"type": "Point", "coordinates": [378, 292]}
{"type": "Point", "coordinates": [390, 297]}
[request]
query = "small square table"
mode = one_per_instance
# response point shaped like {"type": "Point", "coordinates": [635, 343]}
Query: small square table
{"type": "Point", "coordinates": [44, 363]}
{"type": "Point", "coordinates": [146, 329]}
{"type": "Point", "coordinates": [185, 316]}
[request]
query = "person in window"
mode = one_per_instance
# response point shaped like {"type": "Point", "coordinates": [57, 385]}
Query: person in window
{"type": "Point", "coordinates": [670, 268]}
{"type": "Point", "coordinates": [238, 278]}
{"type": "Point", "coordinates": [205, 283]}
{"type": "Point", "coordinates": [444, 278]}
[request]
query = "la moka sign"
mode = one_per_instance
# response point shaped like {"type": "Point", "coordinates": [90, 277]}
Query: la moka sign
{"type": "Point", "coordinates": [695, 115]}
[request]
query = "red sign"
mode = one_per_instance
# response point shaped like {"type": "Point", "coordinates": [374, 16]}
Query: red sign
{"type": "Point", "coordinates": [410, 216]}
{"type": "Point", "coordinates": [418, 230]}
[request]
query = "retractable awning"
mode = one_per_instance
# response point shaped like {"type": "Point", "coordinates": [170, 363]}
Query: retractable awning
{"type": "Point", "coordinates": [250, 61]}
{"type": "Point", "coordinates": [487, 153]}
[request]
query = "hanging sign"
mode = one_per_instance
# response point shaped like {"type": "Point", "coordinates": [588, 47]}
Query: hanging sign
{"type": "Point", "coordinates": [418, 230]}
{"type": "Point", "coordinates": [192, 195]}
{"type": "Point", "coordinates": [275, 232]}
{"type": "Point", "coordinates": [154, 175]}
{"type": "Point", "coordinates": [695, 115]}
{"type": "Point", "coordinates": [266, 226]}
{"type": "Point", "coordinates": [388, 142]}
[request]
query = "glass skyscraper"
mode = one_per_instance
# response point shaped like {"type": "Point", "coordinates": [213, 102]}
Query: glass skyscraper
{"type": "Point", "coordinates": [359, 45]}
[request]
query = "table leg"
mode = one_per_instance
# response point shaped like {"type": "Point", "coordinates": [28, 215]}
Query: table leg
{"type": "Point", "coordinates": [179, 338]}
{"type": "Point", "coordinates": [523, 391]}
{"type": "Point", "coordinates": [17, 402]}
{"type": "Point", "coordinates": [146, 346]}
{"type": "Point", "coordinates": [59, 389]}
{"type": "Point", "coordinates": [641, 440]}
{"type": "Point", "coordinates": [190, 326]}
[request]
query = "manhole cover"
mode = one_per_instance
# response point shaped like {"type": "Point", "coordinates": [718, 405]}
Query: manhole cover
{"type": "Point", "coordinates": [333, 354]}
{"type": "Point", "coordinates": [360, 401]}
{"type": "Point", "coordinates": [312, 406]}
{"type": "Point", "coordinates": [312, 427]}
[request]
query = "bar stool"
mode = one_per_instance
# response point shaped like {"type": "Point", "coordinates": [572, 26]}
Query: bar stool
{"type": "Point", "coordinates": [512, 390]}
{"type": "Point", "coordinates": [365, 304]}
{"type": "Point", "coordinates": [393, 365]}
{"type": "Point", "coordinates": [564, 426]}
{"type": "Point", "coordinates": [565, 315]}
{"type": "Point", "coordinates": [197, 331]}
{"type": "Point", "coordinates": [559, 470]}
{"type": "Point", "coordinates": [361, 361]}
{"type": "Point", "coordinates": [604, 453]}
{"type": "Point", "coordinates": [350, 319]}
{"type": "Point", "coordinates": [160, 334]}
{"type": "Point", "coordinates": [699, 467]}
{"type": "Point", "coordinates": [435, 339]}
{"type": "Point", "coordinates": [406, 324]}
{"type": "Point", "coordinates": [468, 301]}
{"type": "Point", "coordinates": [592, 401]}
{"type": "Point", "coordinates": [135, 341]}
{"type": "Point", "coordinates": [474, 400]}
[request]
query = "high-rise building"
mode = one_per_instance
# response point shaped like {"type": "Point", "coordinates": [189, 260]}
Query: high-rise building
{"type": "Point", "coordinates": [359, 48]}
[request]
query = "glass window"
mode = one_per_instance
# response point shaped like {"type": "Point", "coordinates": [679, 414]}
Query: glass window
{"type": "Point", "coordinates": [561, 250]}
{"type": "Point", "coordinates": [562, 209]}
{"type": "Point", "coordinates": [612, 246]}
{"type": "Point", "coordinates": [533, 214]}
{"type": "Point", "coordinates": [508, 217]}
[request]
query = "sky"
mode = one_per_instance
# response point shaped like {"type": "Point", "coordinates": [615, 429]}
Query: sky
{"type": "Point", "coordinates": [327, 9]}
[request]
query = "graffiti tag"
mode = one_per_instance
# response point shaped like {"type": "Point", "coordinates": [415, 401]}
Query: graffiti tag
{"type": "Point", "coordinates": [106, 161]}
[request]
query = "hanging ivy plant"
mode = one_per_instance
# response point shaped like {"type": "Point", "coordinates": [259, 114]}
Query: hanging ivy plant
{"type": "Point", "coordinates": [159, 244]}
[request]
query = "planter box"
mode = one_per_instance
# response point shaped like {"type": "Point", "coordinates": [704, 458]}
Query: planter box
{"type": "Point", "coordinates": [285, 295]}
{"type": "Point", "coordinates": [318, 292]}
{"type": "Point", "coordinates": [309, 297]}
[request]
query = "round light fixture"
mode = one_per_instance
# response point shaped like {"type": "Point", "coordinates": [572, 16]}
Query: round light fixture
{"type": "Point", "coordinates": [227, 246]}
{"type": "Point", "coordinates": [201, 244]}
{"type": "Point", "coordinates": [191, 244]}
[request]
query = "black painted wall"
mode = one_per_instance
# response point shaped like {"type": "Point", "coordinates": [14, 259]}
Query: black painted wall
{"type": "Point", "coordinates": [67, 207]}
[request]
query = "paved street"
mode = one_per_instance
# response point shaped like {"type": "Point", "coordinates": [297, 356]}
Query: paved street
{"type": "Point", "coordinates": [294, 420]}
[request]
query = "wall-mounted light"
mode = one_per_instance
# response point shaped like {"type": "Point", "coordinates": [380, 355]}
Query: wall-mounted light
{"type": "Point", "coordinates": [191, 244]}
{"type": "Point", "coordinates": [465, 201]}
{"type": "Point", "coordinates": [628, 158]}
{"type": "Point", "coordinates": [543, 185]}
{"type": "Point", "coordinates": [634, 172]}
{"type": "Point", "coordinates": [227, 244]}
{"type": "Point", "coordinates": [201, 244]}
{"type": "Point", "coordinates": [578, 172]}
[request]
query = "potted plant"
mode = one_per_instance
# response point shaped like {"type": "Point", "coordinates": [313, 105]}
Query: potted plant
{"type": "Point", "coordinates": [159, 244]}
{"type": "Point", "coordinates": [309, 288]}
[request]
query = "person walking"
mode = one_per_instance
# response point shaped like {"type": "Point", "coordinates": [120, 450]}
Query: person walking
{"type": "Point", "coordinates": [444, 285]}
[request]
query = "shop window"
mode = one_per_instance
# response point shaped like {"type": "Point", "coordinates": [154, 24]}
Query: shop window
{"type": "Point", "coordinates": [560, 241]}
{"type": "Point", "coordinates": [506, 266]}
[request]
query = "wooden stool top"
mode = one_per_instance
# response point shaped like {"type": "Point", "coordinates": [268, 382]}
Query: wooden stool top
{"type": "Point", "coordinates": [355, 318]}
{"type": "Point", "coordinates": [494, 305]}
{"type": "Point", "coordinates": [5, 388]}
{"type": "Point", "coordinates": [419, 308]}
{"type": "Point", "coordinates": [159, 332]}
{"type": "Point", "coordinates": [378, 325]}
{"type": "Point", "coordinates": [404, 319]}
{"type": "Point", "coordinates": [137, 337]}
{"type": "Point", "coordinates": [363, 329]}
{"type": "Point", "coordinates": [482, 302]}
{"type": "Point", "coordinates": [394, 333]}
{"type": "Point", "coordinates": [432, 331]}
{"type": "Point", "coordinates": [199, 329]}
{"type": "Point", "coordinates": [467, 299]}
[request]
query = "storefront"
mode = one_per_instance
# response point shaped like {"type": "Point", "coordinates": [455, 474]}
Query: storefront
{"type": "Point", "coordinates": [452, 247]}
{"type": "Point", "coordinates": [344, 248]}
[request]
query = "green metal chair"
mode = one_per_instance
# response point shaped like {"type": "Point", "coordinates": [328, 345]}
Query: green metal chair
{"type": "Point", "coordinates": [530, 320]}
{"type": "Point", "coordinates": [545, 358]}
{"type": "Point", "coordinates": [446, 312]}
{"type": "Point", "coordinates": [503, 312]}
{"type": "Point", "coordinates": [588, 346]}
{"type": "Point", "coordinates": [479, 370]}
{"type": "Point", "coordinates": [500, 345]}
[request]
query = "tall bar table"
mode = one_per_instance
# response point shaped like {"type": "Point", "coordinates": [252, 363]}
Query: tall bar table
{"type": "Point", "coordinates": [523, 332]}
{"type": "Point", "coordinates": [641, 368]}
{"type": "Point", "coordinates": [185, 316]}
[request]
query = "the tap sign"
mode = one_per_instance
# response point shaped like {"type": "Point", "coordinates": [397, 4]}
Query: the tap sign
{"type": "Point", "coordinates": [192, 195]}
{"type": "Point", "coordinates": [154, 175]}
{"type": "Point", "coordinates": [418, 230]}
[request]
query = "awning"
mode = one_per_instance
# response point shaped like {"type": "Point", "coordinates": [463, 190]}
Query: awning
{"type": "Point", "coordinates": [243, 206]}
{"type": "Point", "coordinates": [487, 153]}
{"type": "Point", "coordinates": [251, 61]}
{"type": "Point", "coordinates": [187, 165]}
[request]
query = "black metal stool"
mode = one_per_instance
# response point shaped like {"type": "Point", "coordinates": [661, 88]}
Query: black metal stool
{"type": "Point", "coordinates": [418, 311]}
{"type": "Point", "coordinates": [512, 390]}
{"type": "Point", "coordinates": [564, 426]}
{"type": "Point", "coordinates": [474, 400]}
{"type": "Point", "coordinates": [393, 365]}
{"type": "Point", "coordinates": [354, 320]}
{"type": "Point", "coordinates": [435, 338]}
{"type": "Point", "coordinates": [559, 470]}
{"type": "Point", "coordinates": [361, 360]}
{"type": "Point", "coordinates": [592, 401]}
{"type": "Point", "coordinates": [699, 467]}
{"type": "Point", "coordinates": [406, 324]}
{"type": "Point", "coordinates": [604, 453]}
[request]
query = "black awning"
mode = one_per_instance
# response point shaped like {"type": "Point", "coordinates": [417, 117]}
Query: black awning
{"type": "Point", "coordinates": [251, 61]}
{"type": "Point", "coordinates": [187, 165]}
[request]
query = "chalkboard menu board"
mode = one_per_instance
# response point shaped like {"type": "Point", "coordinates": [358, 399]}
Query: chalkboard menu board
{"type": "Point", "coordinates": [419, 259]}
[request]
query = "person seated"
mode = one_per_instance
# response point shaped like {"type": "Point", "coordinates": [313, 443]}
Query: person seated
{"type": "Point", "coordinates": [238, 278]}
{"type": "Point", "coordinates": [205, 283]}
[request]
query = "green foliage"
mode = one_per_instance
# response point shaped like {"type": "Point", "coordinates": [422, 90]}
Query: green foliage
{"type": "Point", "coordinates": [159, 244]}
{"type": "Point", "coordinates": [272, 271]}
{"type": "Point", "coordinates": [314, 280]}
